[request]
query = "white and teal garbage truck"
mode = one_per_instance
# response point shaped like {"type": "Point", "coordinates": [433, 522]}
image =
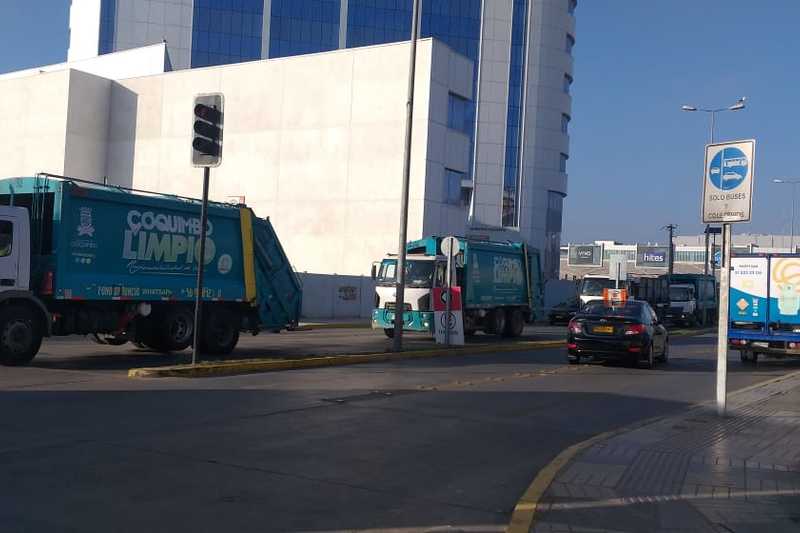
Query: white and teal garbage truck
{"type": "Point", "coordinates": [501, 286]}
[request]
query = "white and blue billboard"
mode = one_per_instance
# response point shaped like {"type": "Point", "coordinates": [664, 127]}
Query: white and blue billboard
{"type": "Point", "coordinates": [652, 256]}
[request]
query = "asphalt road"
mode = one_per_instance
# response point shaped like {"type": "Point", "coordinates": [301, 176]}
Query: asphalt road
{"type": "Point", "coordinates": [451, 441]}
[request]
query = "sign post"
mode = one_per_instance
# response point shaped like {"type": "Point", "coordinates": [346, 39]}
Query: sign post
{"type": "Point", "coordinates": [727, 198]}
{"type": "Point", "coordinates": [618, 268]}
{"type": "Point", "coordinates": [450, 247]}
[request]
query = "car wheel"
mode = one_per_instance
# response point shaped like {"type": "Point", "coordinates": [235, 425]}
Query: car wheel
{"type": "Point", "coordinates": [650, 363]}
{"type": "Point", "coordinates": [574, 360]}
{"type": "Point", "coordinates": [20, 336]}
{"type": "Point", "coordinates": [389, 332]}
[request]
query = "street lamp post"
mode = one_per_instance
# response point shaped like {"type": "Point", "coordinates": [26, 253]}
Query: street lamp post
{"type": "Point", "coordinates": [794, 184]}
{"type": "Point", "coordinates": [713, 112]}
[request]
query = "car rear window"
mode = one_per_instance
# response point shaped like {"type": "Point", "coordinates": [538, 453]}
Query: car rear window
{"type": "Point", "coordinates": [630, 309]}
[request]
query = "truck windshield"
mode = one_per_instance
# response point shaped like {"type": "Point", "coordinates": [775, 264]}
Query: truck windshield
{"type": "Point", "coordinates": [595, 286]}
{"type": "Point", "coordinates": [680, 294]}
{"type": "Point", "coordinates": [418, 273]}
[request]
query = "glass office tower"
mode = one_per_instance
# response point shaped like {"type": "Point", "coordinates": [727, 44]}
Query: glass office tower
{"type": "Point", "coordinates": [516, 121]}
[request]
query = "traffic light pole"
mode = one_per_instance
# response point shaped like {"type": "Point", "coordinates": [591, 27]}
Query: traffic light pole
{"type": "Point", "coordinates": [201, 263]}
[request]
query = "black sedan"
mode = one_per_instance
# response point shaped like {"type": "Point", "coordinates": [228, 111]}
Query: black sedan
{"type": "Point", "coordinates": [629, 332]}
{"type": "Point", "coordinates": [563, 312]}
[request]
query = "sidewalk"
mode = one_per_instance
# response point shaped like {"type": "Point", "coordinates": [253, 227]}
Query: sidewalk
{"type": "Point", "coordinates": [690, 472]}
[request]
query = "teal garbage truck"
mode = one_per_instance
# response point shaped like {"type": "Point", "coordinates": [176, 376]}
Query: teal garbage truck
{"type": "Point", "coordinates": [501, 286]}
{"type": "Point", "coordinates": [78, 257]}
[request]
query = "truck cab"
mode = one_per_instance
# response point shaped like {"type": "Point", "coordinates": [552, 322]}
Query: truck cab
{"type": "Point", "coordinates": [15, 249]}
{"type": "Point", "coordinates": [592, 287]}
{"type": "Point", "coordinates": [682, 303]}
{"type": "Point", "coordinates": [423, 272]}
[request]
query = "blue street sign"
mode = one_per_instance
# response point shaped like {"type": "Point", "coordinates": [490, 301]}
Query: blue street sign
{"type": "Point", "coordinates": [728, 169]}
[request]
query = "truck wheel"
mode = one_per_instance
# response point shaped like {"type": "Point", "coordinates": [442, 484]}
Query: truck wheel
{"type": "Point", "coordinates": [175, 330]}
{"type": "Point", "coordinates": [496, 322]}
{"type": "Point", "coordinates": [515, 323]}
{"type": "Point", "coordinates": [20, 335]}
{"type": "Point", "coordinates": [220, 332]}
{"type": "Point", "coordinates": [389, 332]}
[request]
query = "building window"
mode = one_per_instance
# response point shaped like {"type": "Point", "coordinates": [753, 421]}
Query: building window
{"type": "Point", "coordinates": [553, 250]}
{"type": "Point", "coordinates": [459, 116]}
{"type": "Point", "coordinates": [565, 123]}
{"type": "Point", "coordinates": [108, 15]}
{"type": "Point", "coordinates": [571, 6]}
{"type": "Point", "coordinates": [452, 187]}
{"type": "Point", "coordinates": [567, 83]}
{"type": "Point", "coordinates": [456, 23]}
{"type": "Point", "coordinates": [226, 32]}
{"type": "Point", "coordinates": [562, 163]}
{"type": "Point", "coordinates": [303, 27]}
{"type": "Point", "coordinates": [570, 43]}
{"type": "Point", "coordinates": [516, 81]}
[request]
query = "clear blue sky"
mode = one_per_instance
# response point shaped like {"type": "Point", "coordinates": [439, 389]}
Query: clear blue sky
{"type": "Point", "coordinates": [636, 159]}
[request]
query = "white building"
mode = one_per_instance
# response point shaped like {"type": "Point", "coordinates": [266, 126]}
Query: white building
{"type": "Point", "coordinates": [315, 141]}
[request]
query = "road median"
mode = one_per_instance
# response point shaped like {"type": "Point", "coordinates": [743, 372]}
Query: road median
{"type": "Point", "coordinates": [246, 366]}
{"type": "Point", "coordinates": [277, 363]}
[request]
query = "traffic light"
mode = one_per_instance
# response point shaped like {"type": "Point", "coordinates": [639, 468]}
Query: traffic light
{"type": "Point", "coordinates": [207, 130]}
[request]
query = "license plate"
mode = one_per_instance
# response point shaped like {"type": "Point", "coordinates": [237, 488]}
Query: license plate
{"type": "Point", "coordinates": [761, 344]}
{"type": "Point", "coordinates": [603, 329]}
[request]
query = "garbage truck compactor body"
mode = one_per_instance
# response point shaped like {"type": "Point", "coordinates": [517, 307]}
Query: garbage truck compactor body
{"type": "Point", "coordinates": [83, 258]}
{"type": "Point", "coordinates": [501, 286]}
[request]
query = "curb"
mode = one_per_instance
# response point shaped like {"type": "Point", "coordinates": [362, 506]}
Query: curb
{"type": "Point", "coordinates": [524, 514]}
{"type": "Point", "coordinates": [333, 325]}
{"type": "Point", "coordinates": [228, 368]}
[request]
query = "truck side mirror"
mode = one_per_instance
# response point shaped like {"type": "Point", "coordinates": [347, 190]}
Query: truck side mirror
{"type": "Point", "coordinates": [374, 271]}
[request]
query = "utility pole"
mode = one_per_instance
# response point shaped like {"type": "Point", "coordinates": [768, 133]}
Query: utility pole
{"type": "Point", "coordinates": [671, 264]}
{"type": "Point", "coordinates": [399, 300]}
{"type": "Point", "coordinates": [705, 253]}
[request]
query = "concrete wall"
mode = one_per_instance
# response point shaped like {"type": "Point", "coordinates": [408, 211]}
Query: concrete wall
{"type": "Point", "coordinates": [35, 123]}
{"type": "Point", "coordinates": [144, 61]}
{"type": "Point", "coordinates": [314, 142]}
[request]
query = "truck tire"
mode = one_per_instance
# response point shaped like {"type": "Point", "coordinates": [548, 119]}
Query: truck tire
{"type": "Point", "coordinates": [20, 335]}
{"type": "Point", "coordinates": [220, 332]}
{"type": "Point", "coordinates": [389, 332]}
{"type": "Point", "coordinates": [496, 321]}
{"type": "Point", "coordinates": [175, 330]}
{"type": "Point", "coordinates": [515, 323]}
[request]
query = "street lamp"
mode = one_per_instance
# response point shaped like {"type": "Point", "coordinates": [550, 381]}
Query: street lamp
{"type": "Point", "coordinates": [794, 184]}
{"type": "Point", "coordinates": [735, 107]}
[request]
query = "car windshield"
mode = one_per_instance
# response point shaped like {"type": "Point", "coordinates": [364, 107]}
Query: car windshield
{"type": "Point", "coordinates": [628, 310]}
{"type": "Point", "coordinates": [418, 273]}
{"type": "Point", "coordinates": [680, 294]}
{"type": "Point", "coordinates": [595, 286]}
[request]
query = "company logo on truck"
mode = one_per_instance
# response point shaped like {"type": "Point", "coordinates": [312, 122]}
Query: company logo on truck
{"type": "Point", "coordinates": [170, 240]}
{"type": "Point", "coordinates": [508, 270]}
